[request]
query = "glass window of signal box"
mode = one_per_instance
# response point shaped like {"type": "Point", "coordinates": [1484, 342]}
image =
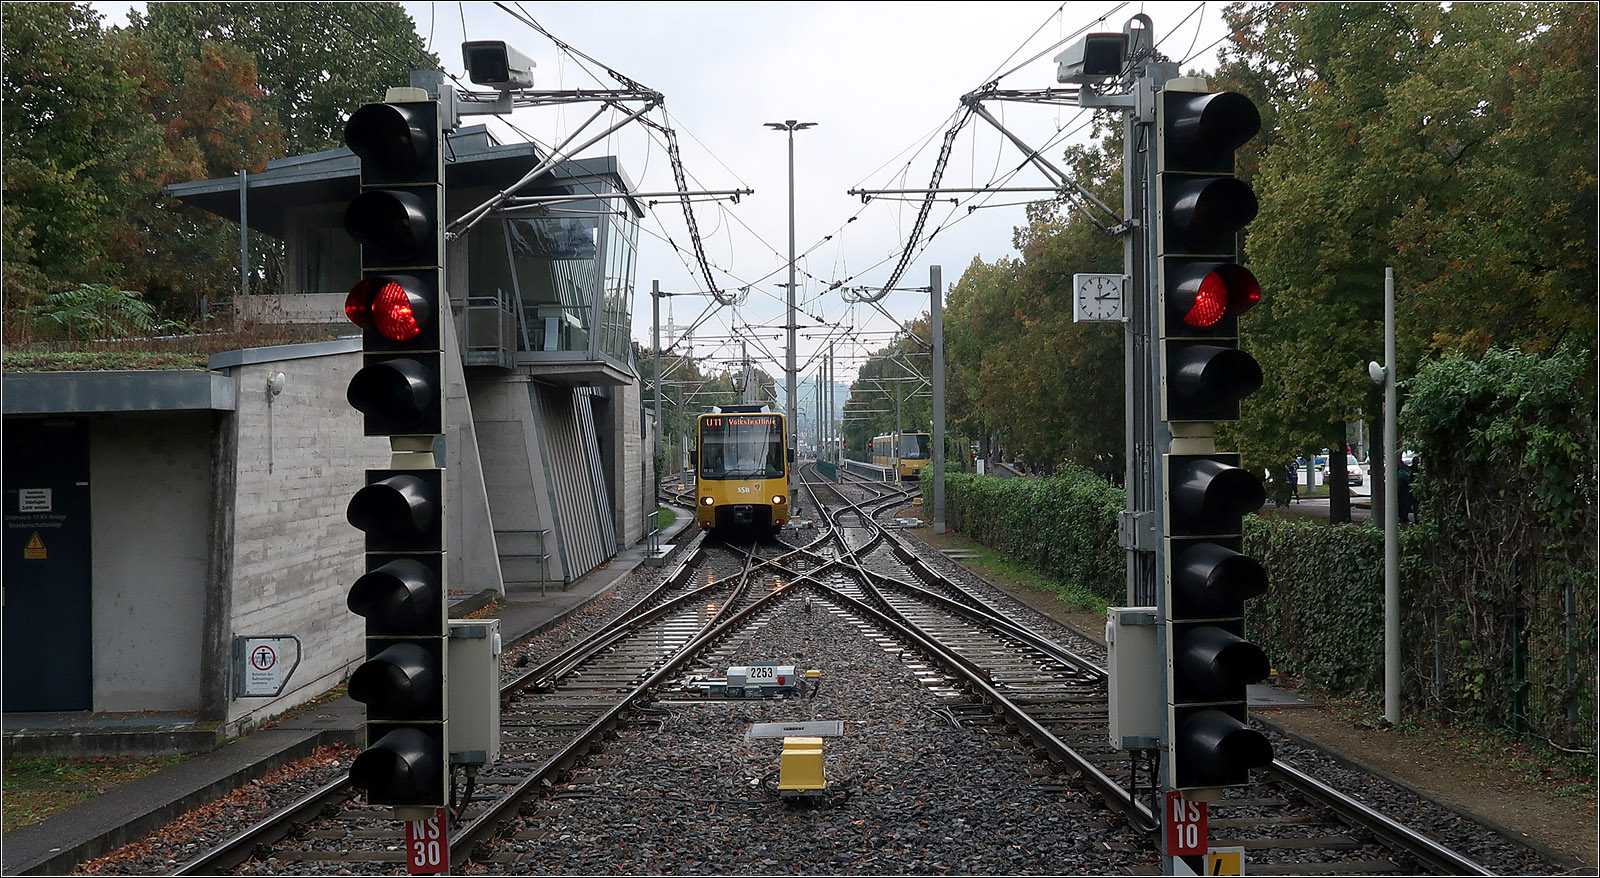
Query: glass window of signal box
{"type": "Point", "coordinates": [741, 448]}
{"type": "Point", "coordinates": [914, 446]}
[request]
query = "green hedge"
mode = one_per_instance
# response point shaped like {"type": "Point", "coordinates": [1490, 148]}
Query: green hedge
{"type": "Point", "coordinates": [1497, 580]}
{"type": "Point", "coordinates": [1064, 525]}
{"type": "Point", "coordinates": [1322, 616]}
{"type": "Point", "coordinates": [1500, 621]}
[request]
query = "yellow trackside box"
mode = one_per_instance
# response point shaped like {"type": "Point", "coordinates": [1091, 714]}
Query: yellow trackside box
{"type": "Point", "coordinates": [800, 768]}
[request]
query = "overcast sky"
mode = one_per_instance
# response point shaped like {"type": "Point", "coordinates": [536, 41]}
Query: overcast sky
{"type": "Point", "coordinates": [883, 82]}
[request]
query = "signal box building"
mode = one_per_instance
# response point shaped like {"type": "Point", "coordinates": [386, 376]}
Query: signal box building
{"type": "Point", "coordinates": [169, 532]}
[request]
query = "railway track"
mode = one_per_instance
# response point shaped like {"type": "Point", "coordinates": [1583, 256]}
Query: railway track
{"type": "Point", "coordinates": [987, 671]}
{"type": "Point", "coordinates": [1058, 699]}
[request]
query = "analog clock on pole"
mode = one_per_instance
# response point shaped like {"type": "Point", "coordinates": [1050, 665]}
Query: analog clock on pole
{"type": "Point", "coordinates": [1098, 298]}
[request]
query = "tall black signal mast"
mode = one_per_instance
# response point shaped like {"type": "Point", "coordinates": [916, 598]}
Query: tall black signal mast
{"type": "Point", "coordinates": [1180, 658]}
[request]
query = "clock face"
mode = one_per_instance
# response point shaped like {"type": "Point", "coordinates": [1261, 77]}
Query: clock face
{"type": "Point", "coordinates": [1100, 298]}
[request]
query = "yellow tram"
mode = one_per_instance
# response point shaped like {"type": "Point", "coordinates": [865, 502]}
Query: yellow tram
{"type": "Point", "coordinates": [905, 453]}
{"type": "Point", "coordinates": [742, 467]}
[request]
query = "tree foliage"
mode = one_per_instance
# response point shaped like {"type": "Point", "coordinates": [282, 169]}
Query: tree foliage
{"type": "Point", "coordinates": [892, 390]}
{"type": "Point", "coordinates": [91, 311]}
{"type": "Point", "coordinates": [1507, 495]}
{"type": "Point", "coordinates": [99, 120]}
{"type": "Point", "coordinates": [1455, 144]}
{"type": "Point", "coordinates": [316, 62]}
{"type": "Point", "coordinates": [77, 151]}
{"type": "Point", "coordinates": [1021, 371]}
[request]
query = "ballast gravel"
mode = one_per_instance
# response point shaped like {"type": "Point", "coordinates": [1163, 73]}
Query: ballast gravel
{"type": "Point", "coordinates": [689, 792]}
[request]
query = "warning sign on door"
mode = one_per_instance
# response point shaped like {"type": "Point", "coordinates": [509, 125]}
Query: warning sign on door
{"type": "Point", "coordinates": [35, 550]}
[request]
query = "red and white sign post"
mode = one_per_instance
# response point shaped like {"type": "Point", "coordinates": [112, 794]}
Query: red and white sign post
{"type": "Point", "coordinates": [428, 845]}
{"type": "Point", "coordinates": [1185, 826]}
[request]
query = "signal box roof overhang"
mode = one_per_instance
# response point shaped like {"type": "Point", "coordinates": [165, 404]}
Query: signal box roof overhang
{"type": "Point", "coordinates": [333, 176]}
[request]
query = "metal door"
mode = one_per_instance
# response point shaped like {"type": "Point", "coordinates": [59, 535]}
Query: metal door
{"type": "Point", "coordinates": [47, 565]}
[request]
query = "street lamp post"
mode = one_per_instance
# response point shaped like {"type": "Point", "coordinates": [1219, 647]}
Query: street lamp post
{"type": "Point", "coordinates": [791, 126]}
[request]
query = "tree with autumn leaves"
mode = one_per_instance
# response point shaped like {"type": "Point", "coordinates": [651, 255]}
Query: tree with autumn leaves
{"type": "Point", "coordinates": [99, 120]}
{"type": "Point", "coordinates": [1021, 373]}
{"type": "Point", "coordinates": [1456, 144]}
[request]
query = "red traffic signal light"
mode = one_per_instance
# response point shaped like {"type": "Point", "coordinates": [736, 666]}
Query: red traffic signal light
{"type": "Point", "coordinates": [1216, 747]}
{"type": "Point", "coordinates": [1210, 579]}
{"type": "Point", "coordinates": [398, 307]}
{"type": "Point", "coordinates": [1204, 213]}
{"type": "Point", "coordinates": [402, 597]}
{"type": "Point", "coordinates": [397, 219]}
{"type": "Point", "coordinates": [1201, 294]}
{"type": "Point", "coordinates": [1207, 581]}
{"type": "Point", "coordinates": [1209, 494]}
{"type": "Point", "coordinates": [403, 680]}
{"type": "Point", "coordinates": [1205, 382]}
{"type": "Point", "coordinates": [1202, 130]}
{"type": "Point", "coordinates": [399, 396]}
{"type": "Point", "coordinates": [1204, 289]}
{"type": "Point", "coordinates": [403, 765]}
{"type": "Point", "coordinates": [1212, 663]}
{"type": "Point", "coordinates": [400, 227]}
{"type": "Point", "coordinates": [400, 510]}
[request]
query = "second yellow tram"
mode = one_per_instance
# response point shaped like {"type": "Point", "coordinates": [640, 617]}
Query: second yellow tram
{"type": "Point", "coordinates": [905, 453]}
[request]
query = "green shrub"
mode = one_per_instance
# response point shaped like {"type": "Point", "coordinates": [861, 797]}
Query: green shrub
{"type": "Point", "coordinates": [1322, 615]}
{"type": "Point", "coordinates": [1500, 613]}
{"type": "Point", "coordinates": [1064, 525]}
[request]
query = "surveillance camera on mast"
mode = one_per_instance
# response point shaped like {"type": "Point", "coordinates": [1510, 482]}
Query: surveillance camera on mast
{"type": "Point", "coordinates": [497, 65]}
{"type": "Point", "coordinates": [1092, 58]}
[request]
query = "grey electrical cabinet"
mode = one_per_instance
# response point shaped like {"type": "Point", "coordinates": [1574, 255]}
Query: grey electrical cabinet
{"type": "Point", "coordinates": [1133, 664]}
{"type": "Point", "coordinates": [474, 691]}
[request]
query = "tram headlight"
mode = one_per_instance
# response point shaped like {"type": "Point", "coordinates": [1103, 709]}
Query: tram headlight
{"type": "Point", "coordinates": [706, 500]}
{"type": "Point", "coordinates": [779, 499]}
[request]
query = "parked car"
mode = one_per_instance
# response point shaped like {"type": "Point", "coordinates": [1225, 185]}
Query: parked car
{"type": "Point", "coordinates": [1352, 467]}
{"type": "Point", "coordinates": [1352, 470]}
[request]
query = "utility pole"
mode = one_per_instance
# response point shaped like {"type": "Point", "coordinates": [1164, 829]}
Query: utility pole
{"type": "Point", "coordinates": [833, 449]}
{"type": "Point", "coordinates": [791, 126]}
{"type": "Point", "coordinates": [936, 330]}
{"type": "Point", "coordinates": [655, 342]}
{"type": "Point", "coordinates": [1384, 374]}
{"type": "Point", "coordinates": [1184, 290]}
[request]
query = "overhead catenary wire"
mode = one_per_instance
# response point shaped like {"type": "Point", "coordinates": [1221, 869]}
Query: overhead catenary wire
{"type": "Point", "coordinates": [731, 225]}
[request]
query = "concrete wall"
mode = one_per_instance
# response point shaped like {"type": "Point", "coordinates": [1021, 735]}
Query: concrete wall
{"type": "Point", "coordinates": [296, 307]}
{"type": "Point", "coordinates": [150, 506]}
{"type": "Point", "coordinates": [629, 446]}
{"type": "Point", "coordinates": [292, 553]}
{"type": "Point", "coordinates": [514, 473]}
{"type": "Point", "coordinates": [471, 562]}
